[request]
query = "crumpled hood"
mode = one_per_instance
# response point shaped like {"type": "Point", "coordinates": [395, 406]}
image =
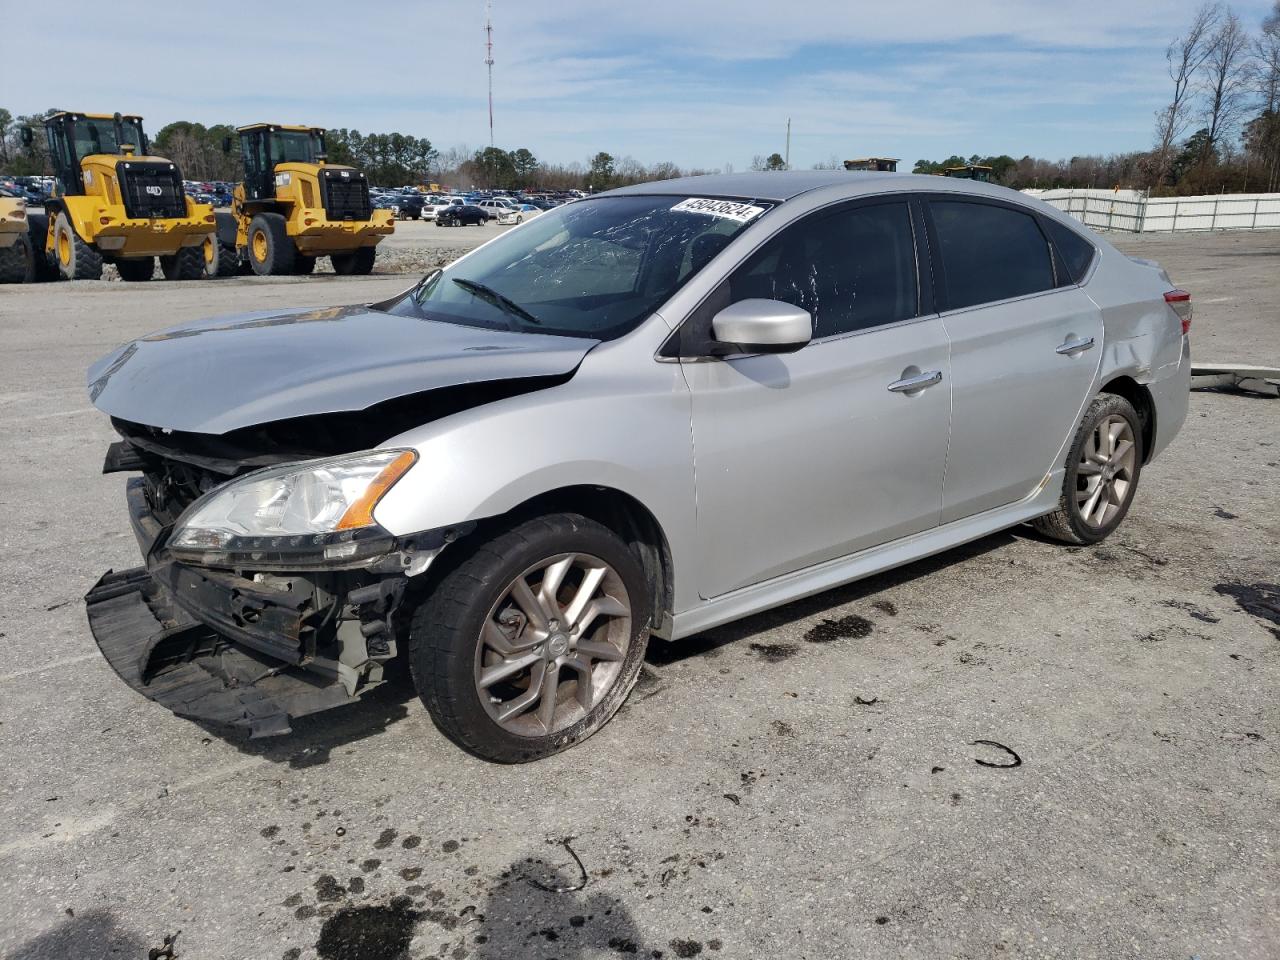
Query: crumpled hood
{"type": "Point", "coordinates": [218, 375]}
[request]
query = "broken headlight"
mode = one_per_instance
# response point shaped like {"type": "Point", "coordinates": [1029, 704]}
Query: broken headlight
{"type": "Point", "coordinates": [317, 513]}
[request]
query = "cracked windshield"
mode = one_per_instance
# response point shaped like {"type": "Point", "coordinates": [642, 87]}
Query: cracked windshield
{"type": "Point", "coordinates": [594, 268]}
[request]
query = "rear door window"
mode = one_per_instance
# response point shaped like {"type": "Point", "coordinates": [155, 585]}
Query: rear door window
{"type": "Point", "coordinates": [989, 252]}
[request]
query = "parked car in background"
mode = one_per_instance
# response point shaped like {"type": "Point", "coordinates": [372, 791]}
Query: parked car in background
{"type": "Point", "coordinates": [518, 214]}
{"type": "Point", "coordinates": [409, 206]}
{"type": "Point", "coordinates": [494, 206]}
{"type": "Point", "coordinates": [436, 204]}
{"type": "Point", "coordinates": [461, 215]}
{"type": "Point", "coordinates": [490, 475]}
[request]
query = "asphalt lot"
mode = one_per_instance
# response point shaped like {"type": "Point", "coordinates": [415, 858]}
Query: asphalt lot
{"type": "Point", "coordinates": [802, 784]}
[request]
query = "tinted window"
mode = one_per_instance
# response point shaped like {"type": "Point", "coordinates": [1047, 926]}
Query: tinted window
{"type": "Point", "coordinates": [851, 270]}
{"type": "Point", "coordinates": [1075, 253]}
{"type": "Point", "coordinates": [989, 253]}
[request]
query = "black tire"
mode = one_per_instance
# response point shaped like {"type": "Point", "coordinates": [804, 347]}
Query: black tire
{"type": "Point", "coordinates": [357, 263]}
{"type": "Point", "coordinates": [218, 259]}
{"type": "Point", "coordinates": [272, 255]}
{"type": "Point", "coordinates": [303, 266]}
{"type": "Point", "coordinates": [445, 631]}
{"type": "Point", "coordinates": [76, 259]}
{"type": "Point", "coordinates": [1067, 522]}
{"type": "Point", "coordinates": [18, 261]}
{"type": "Point", "coordinates": [38, 231]}
{"type": "Point", "coordinates": [136, 270]}
{"type": "Point", "coordinates": [186, 264]}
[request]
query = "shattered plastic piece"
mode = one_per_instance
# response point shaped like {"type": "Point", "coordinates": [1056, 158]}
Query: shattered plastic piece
{"type": "Point", "coordinates": [571, 888]}
{"type": "Point", "coordinates": [1017, 760]}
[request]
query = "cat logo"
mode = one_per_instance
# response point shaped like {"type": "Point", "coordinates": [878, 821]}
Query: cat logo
{"type": "Point", "coordinates": [155, 191]}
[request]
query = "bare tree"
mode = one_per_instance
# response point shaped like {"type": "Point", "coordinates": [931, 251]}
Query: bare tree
{"type": "Point", "coordinates": [1226, 83]}
{"type": "Point", "coordinates": [1266, 71]}
{"type": "Point", "coordinates": [1271, 23]}
{"type": "Point", "coordinates": [1185, 56]}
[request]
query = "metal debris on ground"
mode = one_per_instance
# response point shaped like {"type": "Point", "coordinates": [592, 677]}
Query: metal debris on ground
{"type": "Point", "coordinates": [1017, 760]}
{"type": "Point", "coordinates": [1235, 376]}
{"type": "Point", "coordinates": [572, 888]}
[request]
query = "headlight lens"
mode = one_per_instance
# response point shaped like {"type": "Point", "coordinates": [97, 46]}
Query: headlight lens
{"type": "Point", "coordinates": [315, 512]}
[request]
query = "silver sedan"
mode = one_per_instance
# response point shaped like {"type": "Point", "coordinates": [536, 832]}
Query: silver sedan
{"type": "Point", "coordinates": [649, 412]}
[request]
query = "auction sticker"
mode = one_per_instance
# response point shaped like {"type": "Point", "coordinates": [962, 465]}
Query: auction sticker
{"type": "Point", "coordinates": [742, 212]}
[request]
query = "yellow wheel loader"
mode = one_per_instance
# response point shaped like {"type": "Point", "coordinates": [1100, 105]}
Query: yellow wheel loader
{"type": "Point", "coordinates": [17, 258]}
{"type": "Point", "coordinates": [293, 207]}
{"type": "Point", "coordinates": [115, 204]}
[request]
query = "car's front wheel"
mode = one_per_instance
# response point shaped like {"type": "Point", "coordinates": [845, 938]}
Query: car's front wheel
{"type": "Point", "coordinates": [531, 643]}
{"type": "Point", "coordinates": [1102, 471]}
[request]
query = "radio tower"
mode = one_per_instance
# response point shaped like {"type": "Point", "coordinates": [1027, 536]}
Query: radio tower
{"type": "Point", "coordinates": [488, 59]}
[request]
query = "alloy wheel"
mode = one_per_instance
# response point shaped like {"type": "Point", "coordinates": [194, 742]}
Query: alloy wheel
{"type": "Point", "coordinates": [553, 644]}
{"type": "Point", "coordinates": [1105, 473]}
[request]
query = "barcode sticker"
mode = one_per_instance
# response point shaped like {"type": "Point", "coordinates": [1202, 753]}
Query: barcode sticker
{"type": "Point", "coordinates": [733, 210]}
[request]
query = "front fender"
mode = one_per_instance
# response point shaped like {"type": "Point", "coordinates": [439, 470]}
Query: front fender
{"type": "Point", "coordinates": [616, 425]}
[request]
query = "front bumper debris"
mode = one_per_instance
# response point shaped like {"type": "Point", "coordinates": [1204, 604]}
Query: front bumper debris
{"type": "Point", "coordinates": [168, 656]}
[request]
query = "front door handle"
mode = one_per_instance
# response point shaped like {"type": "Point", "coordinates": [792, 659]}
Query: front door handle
{"type": "Point", "coordinates": [917, 383]}
{"type": "Point", "coordinates": [1072, 347]}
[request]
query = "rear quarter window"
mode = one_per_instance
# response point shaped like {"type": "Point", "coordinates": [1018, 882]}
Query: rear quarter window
{"type": "Point", "coordinates": [1075, 253]}
{"type": "Point", "coordinates": [989, 252]}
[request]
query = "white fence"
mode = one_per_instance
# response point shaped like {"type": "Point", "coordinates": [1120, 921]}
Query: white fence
{"type": "Point", "coordinates": [1131, 211]}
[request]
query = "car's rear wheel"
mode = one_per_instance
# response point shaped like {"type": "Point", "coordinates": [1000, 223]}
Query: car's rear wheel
{"type": "Point", "coordinates": [531, 643]}
{"type": "Point", "coordinates": [1101, 476]}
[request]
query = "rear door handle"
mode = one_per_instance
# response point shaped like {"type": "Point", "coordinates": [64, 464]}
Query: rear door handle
{"type": "Point", "coordinates": [1076, 346]}
{"type": "Point", "coordinates": [914, 384]}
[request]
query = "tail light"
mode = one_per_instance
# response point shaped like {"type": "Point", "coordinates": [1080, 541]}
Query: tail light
{"type": "Point", "coordinates": [1180, 300]}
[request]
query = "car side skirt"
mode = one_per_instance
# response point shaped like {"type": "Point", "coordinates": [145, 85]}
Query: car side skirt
{"type": "Point", "coordinates": [833, 573]}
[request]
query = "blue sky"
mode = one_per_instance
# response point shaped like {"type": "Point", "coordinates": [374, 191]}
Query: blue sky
{"type": "Point", "coordinates": [698, 82]}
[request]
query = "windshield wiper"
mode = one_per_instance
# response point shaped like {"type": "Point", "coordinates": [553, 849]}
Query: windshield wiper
{"type": "Point", "coordinates": [489, 295]}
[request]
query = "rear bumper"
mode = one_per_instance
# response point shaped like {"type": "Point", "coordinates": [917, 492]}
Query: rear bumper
{"type": "Point", "coordinates": [323, 235]}
{"type": "Point", "coordinates": [141, 238]}
{"type": "Point", "coordinates": [1171, 396]}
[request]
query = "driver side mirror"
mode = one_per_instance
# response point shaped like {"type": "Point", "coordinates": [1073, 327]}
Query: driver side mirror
{"type": "Point", "coordinates": [761, 326]}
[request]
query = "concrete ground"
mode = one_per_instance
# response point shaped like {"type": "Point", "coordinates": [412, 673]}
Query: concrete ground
{"type": "Point", "coordinates": [801, 784]}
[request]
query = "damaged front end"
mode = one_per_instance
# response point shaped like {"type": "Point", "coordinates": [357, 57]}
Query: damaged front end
{"type": "Point", "coordinates": [246, 631]}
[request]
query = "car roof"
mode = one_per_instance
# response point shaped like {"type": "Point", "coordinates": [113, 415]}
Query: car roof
{"type": "Point", "coordinates": [783, 185]}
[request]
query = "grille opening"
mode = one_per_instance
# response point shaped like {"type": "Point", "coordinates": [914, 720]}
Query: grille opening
{"type": "Point", "coordinates": [346, 198]}
{"type": "Point", "coordinates": [152, 190]}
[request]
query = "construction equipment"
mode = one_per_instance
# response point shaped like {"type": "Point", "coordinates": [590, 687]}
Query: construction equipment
{"type": "Point", "coordinates": [292, 207]}
{"type": "Point", "coordinates": [874, 164]}
{"type": "Point", "coordinates": [970, 171]}
{"type": "Point", "coordinates": [113, 203]}
{"type": "Point", "coordinates": [17, 259]}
